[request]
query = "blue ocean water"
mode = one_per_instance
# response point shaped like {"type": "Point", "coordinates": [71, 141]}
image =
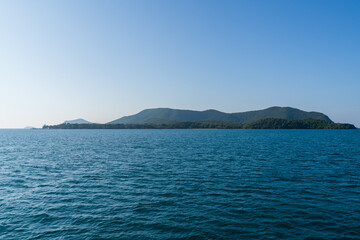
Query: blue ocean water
{"type": "Point", "coordinates": [179, 184]}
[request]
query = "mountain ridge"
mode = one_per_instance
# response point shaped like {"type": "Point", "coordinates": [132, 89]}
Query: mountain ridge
{"type": "Point", "coordinates": [77, 121]}
{"type": "Point", "coordinates": [169, 115]}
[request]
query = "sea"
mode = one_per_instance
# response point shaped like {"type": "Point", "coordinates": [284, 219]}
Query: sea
{"type": "Point", "coordinates": [180, 184]}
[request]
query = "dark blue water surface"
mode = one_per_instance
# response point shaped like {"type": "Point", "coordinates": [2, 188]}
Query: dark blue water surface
{"type": "Point", "coordinates": [179, 184]}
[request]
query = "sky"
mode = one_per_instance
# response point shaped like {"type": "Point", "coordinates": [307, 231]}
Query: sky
{"type": "Point", "coordinates": [101, 60]}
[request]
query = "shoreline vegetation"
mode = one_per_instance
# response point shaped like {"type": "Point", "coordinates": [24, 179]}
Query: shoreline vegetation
{"type": "Point", "coordinates": [268, 123]}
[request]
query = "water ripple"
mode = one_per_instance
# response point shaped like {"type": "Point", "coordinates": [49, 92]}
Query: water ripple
{"type": "Point", "coordinates": [179, 184]}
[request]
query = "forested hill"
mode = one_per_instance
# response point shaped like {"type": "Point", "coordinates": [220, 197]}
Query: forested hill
{"type": "Point", "coordinates": [168, 115]}
{"type": "Point", "coordinates": [269, 123]}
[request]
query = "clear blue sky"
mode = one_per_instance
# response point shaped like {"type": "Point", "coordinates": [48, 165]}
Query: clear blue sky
{"type": "Point", "coordinates": [101, 60]}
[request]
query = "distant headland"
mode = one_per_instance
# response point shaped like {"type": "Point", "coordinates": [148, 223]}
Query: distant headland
{"type": "Point", "coordinates": [167, 118]}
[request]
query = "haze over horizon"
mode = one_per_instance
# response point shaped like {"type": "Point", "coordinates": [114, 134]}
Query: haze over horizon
{"type": "Point", "coordinates": [101, 60]}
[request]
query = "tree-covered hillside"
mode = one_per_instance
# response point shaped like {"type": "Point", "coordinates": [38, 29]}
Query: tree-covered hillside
{"type": "Point", "coordinates": [168, 115]}
{"type": "Point", "coordinates": [272, 123]}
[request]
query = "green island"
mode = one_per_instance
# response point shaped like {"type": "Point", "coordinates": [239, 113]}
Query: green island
{"type": "Point", "coordinates": [268, 123]}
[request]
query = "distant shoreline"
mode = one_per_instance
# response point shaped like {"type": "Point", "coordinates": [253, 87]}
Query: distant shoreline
{"type": "Point", "coordinates": [269, 123]}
